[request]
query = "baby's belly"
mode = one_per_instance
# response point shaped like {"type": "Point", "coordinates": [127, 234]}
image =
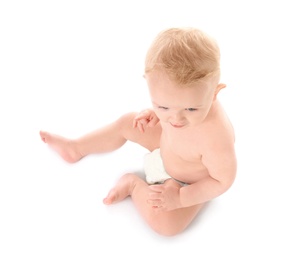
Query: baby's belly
{"type": "Point", "coordinates": [184, 168]}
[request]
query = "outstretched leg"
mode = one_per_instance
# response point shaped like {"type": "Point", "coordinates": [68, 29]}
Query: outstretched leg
{"type": "Point", "coordinates": [167, 223]}
{"type": "Point", "coordinates": [105, 139]}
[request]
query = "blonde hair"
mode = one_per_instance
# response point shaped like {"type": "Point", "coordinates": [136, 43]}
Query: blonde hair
{"type": "Point", "coordinates": [186, 55]}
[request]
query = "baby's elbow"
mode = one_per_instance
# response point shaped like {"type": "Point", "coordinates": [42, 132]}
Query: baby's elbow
{"type": "Point", "coordinates": [226, 186]}
{"type": "Point", "coordinates": [228, 182]}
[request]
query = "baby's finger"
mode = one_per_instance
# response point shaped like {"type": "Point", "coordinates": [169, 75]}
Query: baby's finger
{"type": "Point", "coordinates": [141, 127]}
{"type": "Point", "coordinates": [153, 122]}
{"type": "Point", "coordinates": [134, 123]}
{"type": "Point", "coordinates": [144, 122]}
{"type": "Point", "coordinates": [156, 188]}
{"type": "Point", "coordinates": [141, 115]}
{"type": "Point", "coordinates": [138, 117]}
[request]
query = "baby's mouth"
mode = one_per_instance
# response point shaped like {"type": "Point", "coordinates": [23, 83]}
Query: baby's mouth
{"type": "Point", "coordinates": [177, 125]}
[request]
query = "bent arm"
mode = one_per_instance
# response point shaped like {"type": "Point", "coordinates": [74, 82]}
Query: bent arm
{"type": "Point", "coordinates": [222, 171]}
{"type": "Point", "coordinates": [201, 191]}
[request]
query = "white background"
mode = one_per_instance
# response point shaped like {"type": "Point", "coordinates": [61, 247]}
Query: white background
{"type": "Point", "coordinates": [72, 66]}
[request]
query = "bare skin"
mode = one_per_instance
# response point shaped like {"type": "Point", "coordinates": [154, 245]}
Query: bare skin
{"type": "Point", "coordinates": [196, 141]}
{"type": "Point", "coordinates": [64, 147]}
{"type": "Point", "coordinates": [129, 184]}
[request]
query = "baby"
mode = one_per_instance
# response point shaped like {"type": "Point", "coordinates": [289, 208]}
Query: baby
{"type": "Point", "coordinates": [190, 139]}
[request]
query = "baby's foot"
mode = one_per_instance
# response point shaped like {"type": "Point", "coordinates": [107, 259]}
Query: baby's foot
{"type": "Point", "coordinates": [122, 190]}
{"type": "Point", "coordinates": [66, 148]}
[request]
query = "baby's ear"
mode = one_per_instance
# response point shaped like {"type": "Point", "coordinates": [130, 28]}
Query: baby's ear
{"type": "Point", "coordinates": [218, 88]}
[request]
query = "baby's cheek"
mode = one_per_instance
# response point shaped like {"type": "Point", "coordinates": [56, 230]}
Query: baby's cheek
{"type": "Point", "coordinates": [197, 120]}
{"type": "Point", "coordinates": [162, 117]}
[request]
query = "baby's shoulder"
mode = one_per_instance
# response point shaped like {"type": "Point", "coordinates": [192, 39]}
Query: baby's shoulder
{"type": "Point", "coordinates": [219, 131]}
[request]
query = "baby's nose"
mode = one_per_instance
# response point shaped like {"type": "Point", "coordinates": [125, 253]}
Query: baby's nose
{"type": "Point", "coordinates": [178, 116]}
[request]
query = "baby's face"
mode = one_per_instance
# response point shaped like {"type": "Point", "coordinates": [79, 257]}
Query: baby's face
{"type": "Point", "coordinates": [180, 107]}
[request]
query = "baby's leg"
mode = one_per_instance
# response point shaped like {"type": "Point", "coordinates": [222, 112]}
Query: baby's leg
{"type": "Point", "coordinates": [122, 189]}
{"type": "Point", "coordinates": [105, 139]}
{"type": "Point", "coordinates": [165, 223]}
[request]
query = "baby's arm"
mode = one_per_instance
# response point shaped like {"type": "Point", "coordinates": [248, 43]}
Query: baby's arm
{"type": "Point", "coordinates": [221, 165]}
{"type": "Point", "coordinates": [146, 118]}
{"type": "Point", "coordinates": [165, 197]}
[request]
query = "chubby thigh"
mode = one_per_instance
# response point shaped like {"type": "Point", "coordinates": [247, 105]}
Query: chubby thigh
{"type": "Point", "coordinates": [167, 223]}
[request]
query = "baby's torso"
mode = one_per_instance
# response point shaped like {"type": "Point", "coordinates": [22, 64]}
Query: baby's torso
{"type": "Point", "coordinates": [182, 150]}
{"type": "Point", "coordinates": [182, 159]}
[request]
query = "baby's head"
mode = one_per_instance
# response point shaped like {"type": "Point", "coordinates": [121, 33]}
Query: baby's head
{"type": "Point", "coordinates": [182, 70]}
{"type": "Point", "coordinates": [186, 55]}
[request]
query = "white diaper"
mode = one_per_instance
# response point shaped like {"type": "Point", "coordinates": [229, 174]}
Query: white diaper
{"type": "Point", "coordinates": [154, 168]}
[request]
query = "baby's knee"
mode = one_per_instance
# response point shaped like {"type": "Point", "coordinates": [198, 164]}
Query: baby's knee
{"type": "Point", "coordinates": [166, 228]}
{"type": "Point", "coordinates": [125, 124]}
{"type": "Point", "coordinates": [127, 119]}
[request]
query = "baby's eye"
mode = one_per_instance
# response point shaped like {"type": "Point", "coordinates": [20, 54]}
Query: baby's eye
{"type": "Point", "coordinates": [163, 108]}
{"type": "Point", "coordinates": [191, 109]}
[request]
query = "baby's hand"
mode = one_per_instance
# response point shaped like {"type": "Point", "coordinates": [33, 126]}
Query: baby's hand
{"type": "Point", "coordinates": [146, 118]}
{"type": "Point", "coordinates": [165, 197]}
